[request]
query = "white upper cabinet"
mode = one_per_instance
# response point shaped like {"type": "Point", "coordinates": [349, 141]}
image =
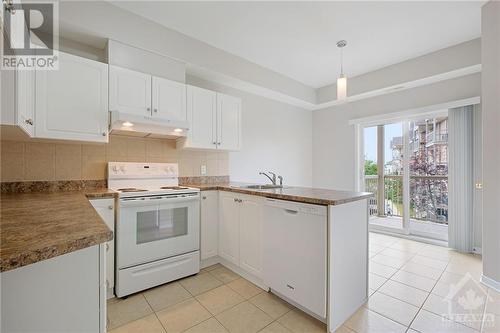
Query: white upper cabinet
{"type": "Point", "coordinates": [129, 91]}
{"type": "Point", "coordinates": [18, 100]}
{"type": "Point", "coordinates": [72, 102]}
{"type": "Point", "coordinates": [202, 116]}
{"type": "Point", "coordinates": [215, 120]}
{"type": "Point", "coordinates": [228, 122]}
{"type": "Point", "coordinates": [169, 99]}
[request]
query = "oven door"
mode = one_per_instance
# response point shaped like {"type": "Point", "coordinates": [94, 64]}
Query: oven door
{"type": "Point", "coordinates": [152, 228]}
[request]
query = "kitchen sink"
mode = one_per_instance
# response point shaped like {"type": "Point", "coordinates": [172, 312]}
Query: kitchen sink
{"type": "Point", "coordinates": [261, 187]}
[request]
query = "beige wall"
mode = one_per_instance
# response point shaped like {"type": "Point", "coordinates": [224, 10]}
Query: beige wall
{"type": "Point", "coordinates": [34, 160]}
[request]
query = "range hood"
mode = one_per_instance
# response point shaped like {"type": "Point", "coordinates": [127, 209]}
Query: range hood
{"type": "Point", "coordinates": [140, 126]}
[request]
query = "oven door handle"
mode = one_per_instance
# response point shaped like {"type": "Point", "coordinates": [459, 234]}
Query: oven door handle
{"type": "Point", "coordinates": [147, 201]}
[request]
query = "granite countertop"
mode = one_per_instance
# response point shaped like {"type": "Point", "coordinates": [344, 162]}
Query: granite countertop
{"type": "Point", "coordinates": [316, 196]}
{"type": "Point", "coordinates": [39, 226]}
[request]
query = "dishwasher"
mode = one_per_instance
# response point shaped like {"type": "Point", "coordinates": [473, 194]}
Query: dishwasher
{"type": "Point", "coordinates": [295, 253]}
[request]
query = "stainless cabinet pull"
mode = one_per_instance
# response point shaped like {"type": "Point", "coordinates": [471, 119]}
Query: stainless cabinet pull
{"type": "Point", "coordinates": [289, 286]}
{"type": "Point", "coordinates": [291, 211]}
{"type": "Point", "coordinates": [104, 134]}
{"type": "Point", "coordinates": [156, 110]}
{"type": "Point", "coordinates": [110, 207]}
{"type": "Point", "coordinates": [29, 121]}
{"type": "Point", "coordinates": [204, 198]}
{"type": "Point", "coordinates": [235, 200]}
{"type": "Point", "coordinates": [107, 247]}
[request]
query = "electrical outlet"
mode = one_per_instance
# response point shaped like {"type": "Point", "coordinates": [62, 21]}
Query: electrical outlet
{"type": "Point", "coordinates": [203, 169]}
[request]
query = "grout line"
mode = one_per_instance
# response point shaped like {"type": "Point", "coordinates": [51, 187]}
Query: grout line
{"type": "Point", "coordinates": [156, 315]}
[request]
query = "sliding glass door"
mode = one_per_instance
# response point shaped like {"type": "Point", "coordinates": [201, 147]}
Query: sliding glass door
{"type": "Point", "coordinates": [405, 166]}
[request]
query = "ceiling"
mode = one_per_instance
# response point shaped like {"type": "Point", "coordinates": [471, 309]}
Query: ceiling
{"type": "Point", "coordinates": [297, 39]}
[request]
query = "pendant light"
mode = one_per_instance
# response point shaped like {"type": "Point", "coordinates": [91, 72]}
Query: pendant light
{"type": "Point", "coordinates": [342, 80]}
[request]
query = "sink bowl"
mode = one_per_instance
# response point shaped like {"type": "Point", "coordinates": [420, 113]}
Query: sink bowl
{"type": "Point", "coordinates": [261, 187]}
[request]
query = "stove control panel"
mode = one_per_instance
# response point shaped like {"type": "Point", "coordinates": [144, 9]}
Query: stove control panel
{"type": "Point", "coordinates": [142, 170]}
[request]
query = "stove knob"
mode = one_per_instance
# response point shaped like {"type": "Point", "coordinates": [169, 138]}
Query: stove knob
{"type": "Point", "coordinates": [122, 168]}
{"type": "Point", "coordinates": [115, 168]}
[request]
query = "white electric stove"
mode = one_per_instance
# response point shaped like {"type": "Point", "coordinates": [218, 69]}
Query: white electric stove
{"type": "Point", "coordinates": [158, 225]}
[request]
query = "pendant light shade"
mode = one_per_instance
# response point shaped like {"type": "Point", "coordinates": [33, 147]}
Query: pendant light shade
{"type": "Point", "coordinates": [342, 80]}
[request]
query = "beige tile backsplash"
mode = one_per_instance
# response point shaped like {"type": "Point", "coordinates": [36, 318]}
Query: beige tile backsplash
{"type": "Point", "coordinates": [30, 160]}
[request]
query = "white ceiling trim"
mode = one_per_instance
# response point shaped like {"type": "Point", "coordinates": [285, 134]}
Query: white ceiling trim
{"type": "Point", "coordinates": [275, 95]}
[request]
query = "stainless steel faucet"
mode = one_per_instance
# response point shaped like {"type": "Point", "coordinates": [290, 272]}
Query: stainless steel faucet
{"type": "Point", "coordinates": [272, 179]}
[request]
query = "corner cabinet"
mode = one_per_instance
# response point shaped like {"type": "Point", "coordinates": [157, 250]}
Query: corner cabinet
{"type": "Point", "coordinates": [215, 120]}
{"type": "Point", "coordinates": [142, 94]}
{"type": "Point", "coordinates": [71, 103]}
{"type": "Point", "coordinates": [240, 231]}
{"type": "Point", "coordinates": [106, 210]}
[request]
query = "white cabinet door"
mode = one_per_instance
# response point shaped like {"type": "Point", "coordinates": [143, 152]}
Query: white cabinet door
{"type": "Point", "coordinates": [106, 210]}
{"type": "Point", "coordinates": [209, 224]}
{"type": "Point", "coordinates": [228, 122]}
{"type": "Point", "coordinates": [251, 235]}
{"type": "Point", "coordinates": [169, 99]}
{"type": "Point", "coordinates": [25, 100]}
{"type": "Point", "coordinates": [229, 228]}
{"type": "Point", "coordinates": [71, 102]}
{"type": "Point", "coordinates": [129, 91]}
{"type": "Point", "coordinates": [202, 116]}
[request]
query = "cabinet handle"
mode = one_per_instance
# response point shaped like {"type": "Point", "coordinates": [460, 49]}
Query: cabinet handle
{"type": "Point", "coordinates": [104, 133]}
{"type": "Point", "coordinates": [29, 121]}
{"type": "Point", "coordinates": [156, 110]}
{"type": "Point", "coordinates": [148, 109]}
{"type": "Point", "coordinates": [204, 198]}
{"type": "Point", "coordinates": [235, 200]}
{"type": "Point", "coordinates": [107, 247]}
{"type": "Point", "coordinates": [215, 143]}
{"type": "Point", "coordinates": [289, 286]}
{"type": "Point", "coordinates": [110, 207]}
{"type": "Point", "coordinates": [218, 143]}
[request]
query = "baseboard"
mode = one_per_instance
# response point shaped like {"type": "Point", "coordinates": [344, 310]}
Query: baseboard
{"type": "Point", "coordinates": [490, 283]}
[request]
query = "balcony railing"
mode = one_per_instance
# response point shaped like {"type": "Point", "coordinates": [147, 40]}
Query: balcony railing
{"type": "Point", "coordinates": [433, 137]}
{"type": "Point", "coordinates": [428, 197]}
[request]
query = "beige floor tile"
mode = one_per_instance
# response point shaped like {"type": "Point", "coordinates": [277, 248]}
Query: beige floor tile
{"type": "Point", "coordinates": [376, 281]}
{"type": "Point", "coordinates": [397, 253]}
{"type": "Point", "coordinates": [275, 327]}
{"type": "Point", "coordinates": [244, 317]}
{"type": "Point", "coordinates": [200, 283]}
{"type": "Point", "coordinates": [366, 321]}
{"type": "Point", "coordinates": [344, 329]}
{"type": "Point", "coordinates": [219, 299]}
{"type": "Point", "coordinates": [381, 270]}
{"type": "Point", "coordinates": [407, 246]}
{"type": "Point", "coordinates": [299, 322]}
{"type": "Point", "coordinates": [452, 310]}
{"type": "Point", "coordinates": [224, 274]}
{"type": "Point", "coordinates": [474, 270]}
{"type": "Point", "coordinates": [493, 304]}
{"type": "Point", "coordinates": [274, 306]}
{"type": "Point", "coordinates": [376, 248]}
{"type": "Point", "coordinates": [427, 322]}
{"type": "Point", "coordinates": [423, 270]}
{"type": "Point", "coordinates": [182, 316]}
{"type": "Point", "coordinates": [414, 280]}
{"type": "Point", "coordinates": [149, 324]}
{"type": "Point", "coordinates": [405, 293]}
{"type": "Point", "coordinates": [245, 288]}
{"type": "Point", "coordinates": [434, 263]}
{"type": "Point", "coordinates": [208, 326]}
{"type": "Point", "coordinates": [122, 311]}
{"type": "Point", "coordinates": [166, 295]}
{"type": "Point", "coordinates": [210, 268]}
{"type": "Point", "coordinates": [389, 261]}
{"type": "Point", "coordinates": [392, 308]}
{"type": "Point", "coordinates": [437, 252]}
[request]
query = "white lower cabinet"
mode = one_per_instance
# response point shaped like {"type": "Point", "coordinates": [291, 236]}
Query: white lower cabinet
{"type": "Point", "coordinates": [240, 231]}
{"type": "Point", "coordinates": [209, 224]}
{"type": "Point", "coordinates": [229, 227]}
{"type": "Point", "coordinates": [61, 294]}
{"type": "Point", "coordinates": [106, 209]}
